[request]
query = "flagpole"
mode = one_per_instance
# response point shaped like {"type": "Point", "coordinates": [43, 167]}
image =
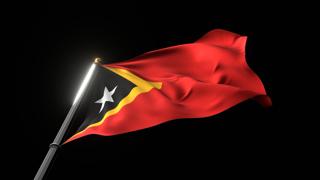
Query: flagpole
{"type": "Point", "coordinates": [55, 145]}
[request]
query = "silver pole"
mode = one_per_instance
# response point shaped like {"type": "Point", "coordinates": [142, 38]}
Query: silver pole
{"type": "Point", "coordinates": [53, 147]}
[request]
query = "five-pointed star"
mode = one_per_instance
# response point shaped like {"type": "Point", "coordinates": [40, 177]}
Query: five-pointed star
{"type": "Point", "coordinates": [107, 96]}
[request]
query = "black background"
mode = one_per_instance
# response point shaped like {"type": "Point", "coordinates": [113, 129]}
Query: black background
{"type": "Point", "coordinates": [57, 43]}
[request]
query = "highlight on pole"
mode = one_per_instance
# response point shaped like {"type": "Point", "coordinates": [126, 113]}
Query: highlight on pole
{"type": "Point", "coordinates": [85, 82]}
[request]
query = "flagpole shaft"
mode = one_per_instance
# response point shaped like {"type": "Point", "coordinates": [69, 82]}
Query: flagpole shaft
{"type": "Point", "coordinates": [45, 164]}
{"type": "Point", "coordinates": [54, 146]}
{"type": "Point", "coordinates": [56, 143]}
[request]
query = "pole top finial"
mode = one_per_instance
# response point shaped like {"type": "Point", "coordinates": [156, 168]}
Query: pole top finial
{"type": "Point", "coordinates": [97, 60]}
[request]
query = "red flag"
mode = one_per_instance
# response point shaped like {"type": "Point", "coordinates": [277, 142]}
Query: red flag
{"type": "Point", "coordinates": [193, 80]}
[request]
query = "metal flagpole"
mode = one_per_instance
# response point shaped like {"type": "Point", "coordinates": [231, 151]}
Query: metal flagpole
{"type": "Point", "coordinates": [54, 146]}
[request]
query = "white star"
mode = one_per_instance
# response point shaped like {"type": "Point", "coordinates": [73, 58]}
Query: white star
{"type": "Point", "coordinates": [107, 96]}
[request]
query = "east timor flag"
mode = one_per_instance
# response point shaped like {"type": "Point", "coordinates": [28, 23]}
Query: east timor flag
{"type": "Point", "coordinates": [199, 79]}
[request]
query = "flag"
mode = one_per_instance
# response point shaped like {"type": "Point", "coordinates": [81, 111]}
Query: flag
{"type": "Point", "coordinates": [192, 80]}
